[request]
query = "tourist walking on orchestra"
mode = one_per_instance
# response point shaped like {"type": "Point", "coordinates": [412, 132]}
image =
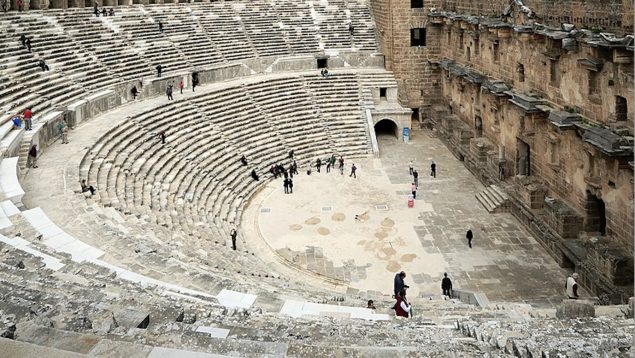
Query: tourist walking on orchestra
{"type": "Point", "coordinates": [318, 164]}
{"type": "Point", "coordinates": [353, 169]}
{"type": "Point", "coordinates": [415, 176]}
{"type": "Point", "coordinates": [290, 186]}
{"type": "Point", "coordinates": [414, 191]}
{"type": "Point", "coordinates": [433, 169]}
{"type": "Point", "coordinates": [233, 235]}
{"type": "Point", "coordinates": [571, 286]}
{"type": "Point", "coordinates": [469, 236]}
{"type": "Point", "coordinates": [410, 167]}
{"type": "Point", "coordinates": [286, 186]}
{"type": "Point", "coordinates": [446, 285]}
{"type": "Point", "coordinates": [33, 156]}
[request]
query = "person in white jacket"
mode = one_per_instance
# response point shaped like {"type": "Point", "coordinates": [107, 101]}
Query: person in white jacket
{"type": "Point", "coordinates": [571, 286]}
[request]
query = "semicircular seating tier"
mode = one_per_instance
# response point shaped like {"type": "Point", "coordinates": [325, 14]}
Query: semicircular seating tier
{"type": "Point", "coordinates": [87, 54]}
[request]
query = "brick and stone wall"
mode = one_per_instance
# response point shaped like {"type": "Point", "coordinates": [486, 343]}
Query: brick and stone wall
{"type": "Point", "coordinates": [608, 15]}
{"type": "Point", "coordinates": [417, 79]}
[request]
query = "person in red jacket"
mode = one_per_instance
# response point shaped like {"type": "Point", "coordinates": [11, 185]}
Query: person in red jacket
{"type": "Point", "coordinates": [28, 115]}
{"type": "Point", "coordinates": [402, 307]}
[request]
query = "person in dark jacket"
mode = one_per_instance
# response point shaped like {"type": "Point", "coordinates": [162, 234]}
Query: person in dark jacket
{"type": "Point", "coordinates": [168, 91]}
{"type": "Point", "coordinates": [159, 70]}
{"type": "Point", "coordinates": [243, 160]}
{"type": "Point", "coordinates": [469, 236]}
{"type": "Point", "coordinates": [446, 285]}
{"type": "Point", "coordinates": [399, 283]}
{"type": "Point", "coordinates": [33, 155]}
{"type": "Point", "coordinates": [233, 235]}
{"type": "Point", "coordinates": [134, 92]}
{"type": "Point", "coordinates": [254, 175]}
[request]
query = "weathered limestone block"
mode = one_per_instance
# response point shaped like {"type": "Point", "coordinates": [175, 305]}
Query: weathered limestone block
{"type": "Point", "coordinates": [91, 106]}
{"type": "Point", "coordinates": [575, 309]}
{"type": "Point", "coordinates": [130, 318]}
{"type": "Point", "coordinates": [562, 219]}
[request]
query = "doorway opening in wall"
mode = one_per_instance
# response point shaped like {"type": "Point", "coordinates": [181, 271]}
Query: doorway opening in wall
{"type": "Point", "coordinates": [523, 155]}
{"type": "Point", "coordinates": [415, 115]}
{"type": "Point", "coordinates": [322, 63]}
{"type": "Point", "coordinates": [621, 108]}
{"type": "Point", "coordinates": [478, 127]}
{"type": "Point", "coordinates": [122, 2]}
{"type": "Point", "coordinates": [566, 262]}
{"type": "Point", "coordinates": [89, 3]}
{"type": "Point", "coordinates": [595, 214]}
{"type": "Point", "coordinates": [382, 94]}
{"type": "Point", "coordinates": [386, 128]}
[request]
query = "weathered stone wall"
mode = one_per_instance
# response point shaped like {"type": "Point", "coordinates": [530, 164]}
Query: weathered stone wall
{"type": "Point", "coordinates": [418, 82]}
{"type": "Point", "coordinates": [570, 168]}
{"type": "Point", "coordinates": [608, 15]}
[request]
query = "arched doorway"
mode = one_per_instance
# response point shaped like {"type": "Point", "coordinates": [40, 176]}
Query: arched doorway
{"type": "Point", "coordinates": [387, 127]}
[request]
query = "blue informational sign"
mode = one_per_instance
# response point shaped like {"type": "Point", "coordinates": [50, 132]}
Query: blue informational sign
{"type": "Point", "coordinates": [406, 134]}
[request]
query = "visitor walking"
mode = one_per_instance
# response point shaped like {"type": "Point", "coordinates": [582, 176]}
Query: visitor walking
{"type": "Point", "coordinates": [353, 169]}
{"type": "Point", "coordinates": [571, 286]}
{"type": "Point", "coordinates": [286, 186]}
{"type": "Point", "coordinates": [469, 236]}
{"type": "Point", "coordinates": [194, 80]}
{"type": "Point", "coordinates": [415, 176]}
{"type": "Point", "coordinates": [402, 307]}
{"type": "Point", "coordinates": [181, 86]}
{"type": "Point", "coordinates": [160, 26]}
{"type": "Point", "coordinates": [291, 154]}
{"type": "Point", "coordinates": [168, 91]}
{"type": "Point", "coordinates": [410, 167]}
{"type": "Point", "coordinates": [414, 191]}
{"type": "Point", "coordinates": [433, 169]}
{"type": "Point", "coordinates": [63, 127]}
{"type": "Point", "coordinates": [159, 70]}
{"type": "Point", "coordinates": [134, 92]}
{"type": "Point", "coordinates": [290, 186]}
{"type": "Point", "coordinates": [446, 285]}
{"type": "Point", "coordinates": [28, 119]}
{"type": "Point", "coordinates": [28, 44]}
{"type": "Point", "coordinates": [318, 164]}
{"type": "Point", "coordinates": [33, 156]}
{"type": "Point", "coordinates": [233, 233]}
{"type": "Point", "coordinates": [399, 283]}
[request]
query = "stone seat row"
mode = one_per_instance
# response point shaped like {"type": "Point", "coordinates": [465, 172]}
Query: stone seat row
{"type": "Point", "coordinates": [223, 209]}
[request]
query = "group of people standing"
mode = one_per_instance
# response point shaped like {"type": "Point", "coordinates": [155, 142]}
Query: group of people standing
{"type": "Point", "coordinates": [415, 176]}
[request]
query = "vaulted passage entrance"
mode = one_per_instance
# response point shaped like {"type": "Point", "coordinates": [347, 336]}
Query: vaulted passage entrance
{"type": "Point", "coordinates": [595, 214]}
{"type": "Point", "coordinates": [387, 127]}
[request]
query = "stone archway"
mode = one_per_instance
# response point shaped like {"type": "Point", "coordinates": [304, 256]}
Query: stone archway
{"type": "Point", "coordinates": [387, 126]}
